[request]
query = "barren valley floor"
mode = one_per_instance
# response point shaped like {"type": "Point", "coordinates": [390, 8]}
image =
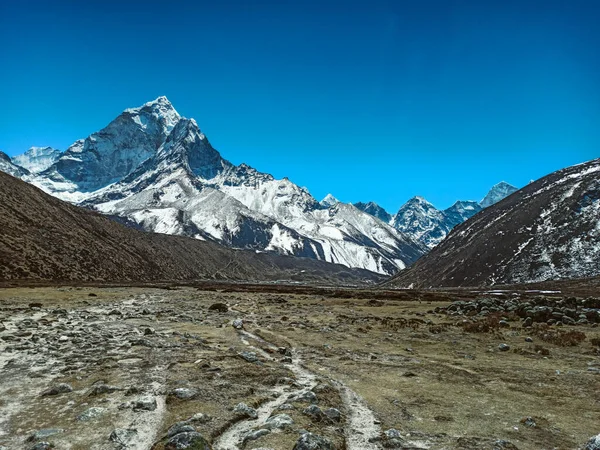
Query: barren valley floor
{"type": "Point", "coordinates": [140, 368]}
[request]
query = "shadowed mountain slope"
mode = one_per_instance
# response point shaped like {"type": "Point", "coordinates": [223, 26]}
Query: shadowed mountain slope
{"type": "Point", "coordinates": [44, 238]}
{"type": "Point", "coordinates": [549, 230]}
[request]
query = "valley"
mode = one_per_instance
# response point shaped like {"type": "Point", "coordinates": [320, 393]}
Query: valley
{"type": "Point", "coordinates": [227, 366]}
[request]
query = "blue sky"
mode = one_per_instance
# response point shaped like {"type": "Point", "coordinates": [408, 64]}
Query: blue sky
{"type": "Point", "coordinates": [377, 100]}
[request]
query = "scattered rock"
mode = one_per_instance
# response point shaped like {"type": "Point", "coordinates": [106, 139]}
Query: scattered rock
{"type": "Point", "coordinates": [238, 324]}
{"type": "Point", "coordinates": [219, 307]}
{"type": "Point", "coordinates": [90, 414]}
{"type": "Point", "coordinates": [184, 393]}
{"type": "Point", "coordinates": [144, 404]}
{"type": "Point", "coordinates": [310, 441]}
{"type": "Point", "coordinates": [528, 339]}
{"type": "Point", "coordinates": [250, 357]}
{"type": "Point", "coordinates": [44, 433]}
{"type": "Point", "coordinates": [504, 347]}
{"type": "Point", "coordinates": [333, 414]}
{"type": "Point", "coordinates": [187, 440]}
{"type": "Point", "coordinates": [61, 388]}
{"type": "Point", "coordinates": [241, 409]}
{"type": "Point", "coordinates": [528, 422]}
{"type": "Point", "coordinates": [254, 435]}
{"type": "Point", "coordinates": [279, 421]}
{"type": "Point", "coordinates": [42, 446]}
{"type": "Point", "coordinates": [123, 436]}
{"type": "Point", "coordinates": [199, 418]}
{"type": "Point", "coordinates": [179, 427]}
{"type": "Point", "coordinates": [308, 396]}
{"type": "Point", "coordinates": [593, 443]}
{"type": "Point", "coordinates": [102, 388]}
{"type": "Point", "coordinates": [314, 412]}
{"type": "Point", "coordinates": [36, 305]}
{"type": "Point", "coordinates": [501, 444]}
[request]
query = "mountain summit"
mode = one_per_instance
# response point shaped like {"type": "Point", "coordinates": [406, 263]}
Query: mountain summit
{"type": "Point", "coordinates": [497, 193]}
{"type": "Point", "coordinates": [157, 170]}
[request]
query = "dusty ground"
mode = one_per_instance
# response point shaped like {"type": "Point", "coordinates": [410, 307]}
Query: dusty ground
{"type": "Point", "coordinates": [140, 360]}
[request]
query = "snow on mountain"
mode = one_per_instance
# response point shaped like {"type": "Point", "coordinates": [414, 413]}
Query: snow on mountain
{"type": "Point", "coordinates": [421, 220]}
{"type": "Point", "coordinates": [7, 166]}
{"type": "Point", "coordinates": [497, 193]}
{"type": "Point", "coordinates": [156, 169]}
{"type": "Point", "coordinates": [115, 151]}
{"type": "Point", "coordinates": [329, 200]}
{"type": "Point", "coordinates": [460, 211]}
{"type": "Point", "coordinates": [37, 159]}
{"type": "Point", "coordinates": [546, 230]}
{"type": "Point", "coordinates": [375, 210]}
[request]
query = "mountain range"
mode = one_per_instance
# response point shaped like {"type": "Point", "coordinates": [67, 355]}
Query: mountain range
{"type": "Point", "coordinates": [44, 238]}
{"type": "Point", "coordinates": [157, 170]}
{"type": "Point", "coordinates": [429, 225]}
{"type": "Point", "coordinates": [548, 230]}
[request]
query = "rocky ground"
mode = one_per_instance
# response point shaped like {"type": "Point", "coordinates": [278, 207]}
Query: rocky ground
{"type": "Point", "coordinates": [150, 368]}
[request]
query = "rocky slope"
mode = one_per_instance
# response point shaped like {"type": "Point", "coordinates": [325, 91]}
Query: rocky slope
{"type": "Point", "coordinates": [156, 169]}
{"type": "Point", "coordinates": [7, 166]}
{"type": "Point", "coordinates": [547, 230]}
{"type": "Point", "coordinates": [44, 238]}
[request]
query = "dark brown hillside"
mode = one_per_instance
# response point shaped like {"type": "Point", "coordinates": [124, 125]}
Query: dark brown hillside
{"type": "Point", "coordinates": [549, 230]}
{"type": "Point", "coordinates": [44, 238]}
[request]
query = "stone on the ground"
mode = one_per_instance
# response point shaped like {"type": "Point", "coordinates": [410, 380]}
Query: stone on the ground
{"type": "Point", "coordinates": [219, 307]}
{"type": "Point", "coordinates": [61, 388]}
{"type": "Point", "coordinates": [314, 412]}
{"type": "Point", "coordinates": [90, 414]}
{"type": "Point", "coordinates": [254, 435]}
{"type": "Point", "coordinates": [503, 347]}
{"type": "Point", "coordinates": [238, 324]}
{"type": "Point", "coordinates": [147, 403]}
{"type": "Point", "coordinates": [102, 388]}
{"type": "Point", "coordinates": [123, 436]}
{"type": "Point", "coordinates": [44, 433]}
{"type": "Point", "coordinates": [179, 427]}
{"type": "Point", "coordinates": [310, 441]}
{"type": "Point", "coordinates": [308, 396]}
{"type": "Point", "coordinates": [184, 393]}
{"type": "Point", "coordinates": [333, 414]}
{"type": "Point", "coordinates": [241, 409]}
{"type": "Point", "coordinates": [279, 421]}
{"type": "Point", "coordinates": [593, 443]}
{"type": "Point", "coordinates": [42, 446]}
{"type": "Point", "coordinates": [249, 356]}
{"type": "Point", "coordinates": [188, 440]}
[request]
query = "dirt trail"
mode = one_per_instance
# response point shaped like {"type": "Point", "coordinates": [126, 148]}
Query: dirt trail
{"type": "Point", "coordinates": [360, 428]}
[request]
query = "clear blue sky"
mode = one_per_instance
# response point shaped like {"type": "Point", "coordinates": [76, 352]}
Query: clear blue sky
{"type": "Point", "coordinates": [370, 100]}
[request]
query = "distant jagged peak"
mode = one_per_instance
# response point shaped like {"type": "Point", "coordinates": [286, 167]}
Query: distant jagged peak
{"type": "Point", "coordinates": [37, 159]}
{"type": "Point", "coordinates": [375, 210]}
{"type": "Point", "coordinates": [417, 202]}
{"type": "Point", "coordinates": [329, 200]}
{"type": "Point", "coordinates": [496, 193]}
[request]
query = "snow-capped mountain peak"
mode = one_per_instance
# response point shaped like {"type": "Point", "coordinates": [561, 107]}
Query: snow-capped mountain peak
{"type": "Point", "coordinates": [37, 159]}
{"type": "Point", "coordinates": [157, 169]}
{"type": "Point", "coordinates": [7, 166]}
{"type": "Point", "coordinates": [496, 193]}
{"type": "Point", "coordinates": [375, 210]}
{"type": "Point", "coordinates": [161, 109]}
{"type": "Point", "coordinates": [329, 200]}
